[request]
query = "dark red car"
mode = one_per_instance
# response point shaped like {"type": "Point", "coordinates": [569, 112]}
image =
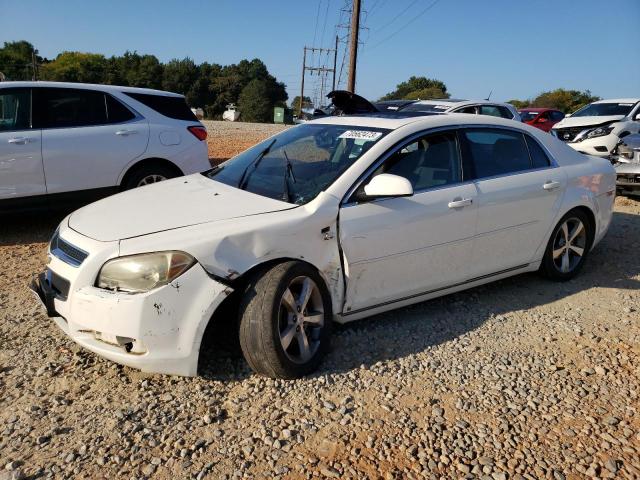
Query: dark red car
{"type": "Point", "coordinates": [542, 118]}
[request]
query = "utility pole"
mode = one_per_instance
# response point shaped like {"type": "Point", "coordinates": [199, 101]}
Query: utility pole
{"type": "Point", "coordinates": [319, 70]}
{"type": "Point", "coordinates": [34, 74]}
{"type": "Point", "coordinates": [335, 63]}
{"type": "Point", "coordinates": [353, 50]}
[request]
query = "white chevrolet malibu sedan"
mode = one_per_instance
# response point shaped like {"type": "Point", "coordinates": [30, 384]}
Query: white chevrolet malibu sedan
{"type": "Point", "coordinates": [330, 221]}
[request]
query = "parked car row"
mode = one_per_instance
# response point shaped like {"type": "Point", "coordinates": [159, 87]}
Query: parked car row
{"type": "Point", "coordinates": [331, 221]}
{"type": "Point", "coordinates": [69, 142]}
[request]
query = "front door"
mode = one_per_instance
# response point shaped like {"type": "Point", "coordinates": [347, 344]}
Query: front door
{"type": "Point", "coordinates": [396, 248]}
{"type": "Point", "coordinates": [21, 172]}
{"type": "Point", "coordinates": [88, 138]}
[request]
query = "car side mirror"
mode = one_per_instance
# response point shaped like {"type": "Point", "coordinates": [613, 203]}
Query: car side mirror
{"type": "Point", "coordinates": [387, 185]}
{"type": "Point", "coordinates": [638, 117]}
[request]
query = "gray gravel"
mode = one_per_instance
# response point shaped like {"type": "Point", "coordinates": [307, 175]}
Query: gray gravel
{"type": "Point", "coordinates": [521, 379]}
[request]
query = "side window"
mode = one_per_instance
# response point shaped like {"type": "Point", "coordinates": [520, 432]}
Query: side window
{"type": "Point", "coordinates": [544, 116]}
{"type": "Point", "coordinates": [539, 159]}
{"type": "Point", "coordinates": [15, 109]}
{"type": "Point", "coordinates": [490, 110]}
{"type": "Point", "coordinates": [117, 112]}
{"type": "Point", "coordinates": [68, 107]}
{"type": "Point", "coordinates": [557, 116]}
{"type": "Point", "coordinates": [496, 152]}
{"type": "Point", "coordinates": [167, 105]}
{"type": "Point", "coordinates": [471, 109]}
{"type": "Point", "coordinates": [505, 112]}
{"type": "Point", "coordinates": [430, 161]}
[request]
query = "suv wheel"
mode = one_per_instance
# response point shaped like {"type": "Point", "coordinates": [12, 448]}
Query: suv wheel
{"type": "Point", "coordinates": [147, 175]}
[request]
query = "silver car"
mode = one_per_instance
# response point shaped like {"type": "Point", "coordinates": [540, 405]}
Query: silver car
{"type": "Point", "coordinates": [628, 165]}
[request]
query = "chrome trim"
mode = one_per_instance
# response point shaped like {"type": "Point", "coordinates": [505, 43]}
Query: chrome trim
{"type": "Point", "coordinates": [56, 251]}
{"type": "Point", "coordinates": [429, 292]}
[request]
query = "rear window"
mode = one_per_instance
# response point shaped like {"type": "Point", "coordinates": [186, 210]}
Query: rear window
{"type": "Point", "coordinates": [172, 107]}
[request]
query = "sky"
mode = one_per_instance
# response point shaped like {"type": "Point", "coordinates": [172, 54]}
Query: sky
{"type": "Point", "coordinates": [513, 48]}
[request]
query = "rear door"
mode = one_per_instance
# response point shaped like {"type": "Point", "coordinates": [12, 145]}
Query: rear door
{"type": "Point", "coordinates": [21, 171]}
{"type": "Point", "coordinates": [519, 193]}
{"type": "Point", "coordinates": [88, 137]}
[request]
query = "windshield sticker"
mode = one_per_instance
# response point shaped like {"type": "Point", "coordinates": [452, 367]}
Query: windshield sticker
{"type": "Point", "coordinates": [361, 135]}
{"type": "Point", "coordinates": [441, 107]}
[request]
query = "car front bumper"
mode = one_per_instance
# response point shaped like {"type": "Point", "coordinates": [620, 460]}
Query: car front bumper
{"type": "Point", "coordinates": [597, 146]}
{"type": "Point", "coordinates": [158, 331]}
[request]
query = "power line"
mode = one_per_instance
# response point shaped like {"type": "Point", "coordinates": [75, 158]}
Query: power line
{"type": "Point", "coordinates": [407, 24]}
{"type": "Point", "coordinates": [398, 15]}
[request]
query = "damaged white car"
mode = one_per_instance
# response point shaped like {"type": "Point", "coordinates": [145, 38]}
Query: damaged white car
{"type": "Point", "coordinates": [330, 221]}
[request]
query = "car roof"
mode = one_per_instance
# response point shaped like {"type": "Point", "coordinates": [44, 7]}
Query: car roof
{"type": "Point", "coordinates": [537, 109]}
{"type": "Point", "coordinates": [619, 100]}
{"type": "Point", "coordinates": [455, 103]}
{"type": "Point", "coordinates": [92, 86]}
{"type": "Point", "coordinates": [393, 122]}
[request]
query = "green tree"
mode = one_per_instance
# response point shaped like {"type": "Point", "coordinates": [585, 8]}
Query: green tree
{"type": "Point", "coordinates": [16, 61]}
{"type": "Point", "coordinates": [254, 102]}
{"type": "Point", "coordinates": [134, 70]}
{"type": "Point", "coordinates": [179, 75]}
{"type": "Point", "coordinates": [416, 84]}
{"type": "Point", "coordinates": [427, 93]}
{"type": "Point", "coordinates": [295, 104]}
{"type": "Point", "coordinates": [567, 101]}
{"type": "Point", "coordinates": [76, 67]}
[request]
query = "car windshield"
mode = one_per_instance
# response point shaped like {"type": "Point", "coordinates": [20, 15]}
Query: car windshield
{"type": "Point", "coordinates": [299, 163]}
{"type": "Point", "coordinates": [604, 109]}
{"type": "Point", "coordinates": [527, 115]}
{"type": "Point", "coordinates": [426, 107]}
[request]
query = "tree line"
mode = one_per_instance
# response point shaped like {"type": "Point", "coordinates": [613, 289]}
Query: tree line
{"type": "Point", "coordinates": [422, 88]}
{"type": "Point", "coordinates": [207, 85]}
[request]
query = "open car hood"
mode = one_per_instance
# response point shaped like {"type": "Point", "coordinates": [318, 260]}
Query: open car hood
{"type": "Point", "coordinates": [348, 103]}
{"type": "Point", "coordinates": [168, 205]}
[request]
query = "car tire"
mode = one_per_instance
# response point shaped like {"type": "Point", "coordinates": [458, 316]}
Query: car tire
{"type": "Point", "coordinates": [148, 174]}
{"type": "Point", "coordinates": [568, 247]}
{"type": "Point", "coordinates": [282, 335]}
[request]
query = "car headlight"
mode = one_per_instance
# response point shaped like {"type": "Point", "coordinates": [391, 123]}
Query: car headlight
{"type": "Point", "coordinates": [144, 272]}
{"type": "Point", "coordinates": [599, 132]}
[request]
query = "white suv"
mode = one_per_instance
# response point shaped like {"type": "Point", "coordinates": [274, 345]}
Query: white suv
{"type": "Point", "coordinates": [62, 142]}
{"type": "Point", "coordinates": [597, 128]}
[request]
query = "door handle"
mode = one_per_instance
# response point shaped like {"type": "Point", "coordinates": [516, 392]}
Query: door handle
{"type": "Point", "coordinates": [18, 140]}
{"type": "Point", "coordinates": [460, 202]}
{"type": "Point", "coordinates": [124, 133]}
{"type": "Point", "coordinates": [551, 185]}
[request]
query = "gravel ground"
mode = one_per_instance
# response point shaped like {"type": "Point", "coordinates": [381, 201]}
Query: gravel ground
{"type": "Point", "coordinates": [518, 379]}
{"type": "Point", "coordinates": [226, 139]}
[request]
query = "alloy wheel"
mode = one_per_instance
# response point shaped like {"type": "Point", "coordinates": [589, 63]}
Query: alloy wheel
{"type": "Point", "coordinates": [149, 179]}
{"type": "Point", "coordinates": [569, 245]}
{"type": "Point", "coordinates": [301, 319]}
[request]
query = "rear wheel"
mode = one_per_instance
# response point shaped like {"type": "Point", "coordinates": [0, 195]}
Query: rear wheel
{"type": "Point", "coordinates": [147, 175]}
{"type": "Point", "coordinates": [285, 321]}
{"type": "Point", "coordinates": [568, 247]}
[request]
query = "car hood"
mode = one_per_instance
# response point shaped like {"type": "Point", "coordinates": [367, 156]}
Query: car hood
{"type": "Point", "coordinates": [587, 121]}
{"type": "Point", "coordinates": [168, 205]}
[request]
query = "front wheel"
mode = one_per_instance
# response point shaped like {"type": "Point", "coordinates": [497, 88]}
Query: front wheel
{"type": "Point", "coordinates": [568, 247]}
{"type": "Point", "coordinates": [285, 321]}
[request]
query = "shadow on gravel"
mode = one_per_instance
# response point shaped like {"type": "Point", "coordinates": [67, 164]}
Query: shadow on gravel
{"type": "Point", "coordinates": [32, 227]}
{"type": "Point", "coordinates": [612, 264]}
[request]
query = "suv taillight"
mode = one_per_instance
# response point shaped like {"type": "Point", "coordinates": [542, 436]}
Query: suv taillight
{"type": "Point", "coordinates": [199, 132]}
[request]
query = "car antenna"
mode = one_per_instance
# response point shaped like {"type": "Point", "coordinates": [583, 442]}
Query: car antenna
{"type": "Point", "coordinates": [489, 96]}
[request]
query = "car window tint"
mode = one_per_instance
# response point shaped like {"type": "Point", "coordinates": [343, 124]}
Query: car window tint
{"type": "Point", "coordinates": [15, 109]}
{"type": "Point", "coordinates": [490, 110]}
{"type": "Point", "coordinates": [557, 115]}
{"type": "Point", "coordinates": [539, 159]}
{"type": "Point", "coordinates": [471, 110]}
{"type": "Point", "coordinates": [496, 152]}
{"type": "Point", "coordinates": [504, 112]}
{"type": "Point", "coordinates": [430, 161]}
{"type": "Point", "coordinates": [169, 106]}
{"type": "Point", "coordinates": [68, 107]}
{"type": "Point", "coordinates": [117, 112]}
